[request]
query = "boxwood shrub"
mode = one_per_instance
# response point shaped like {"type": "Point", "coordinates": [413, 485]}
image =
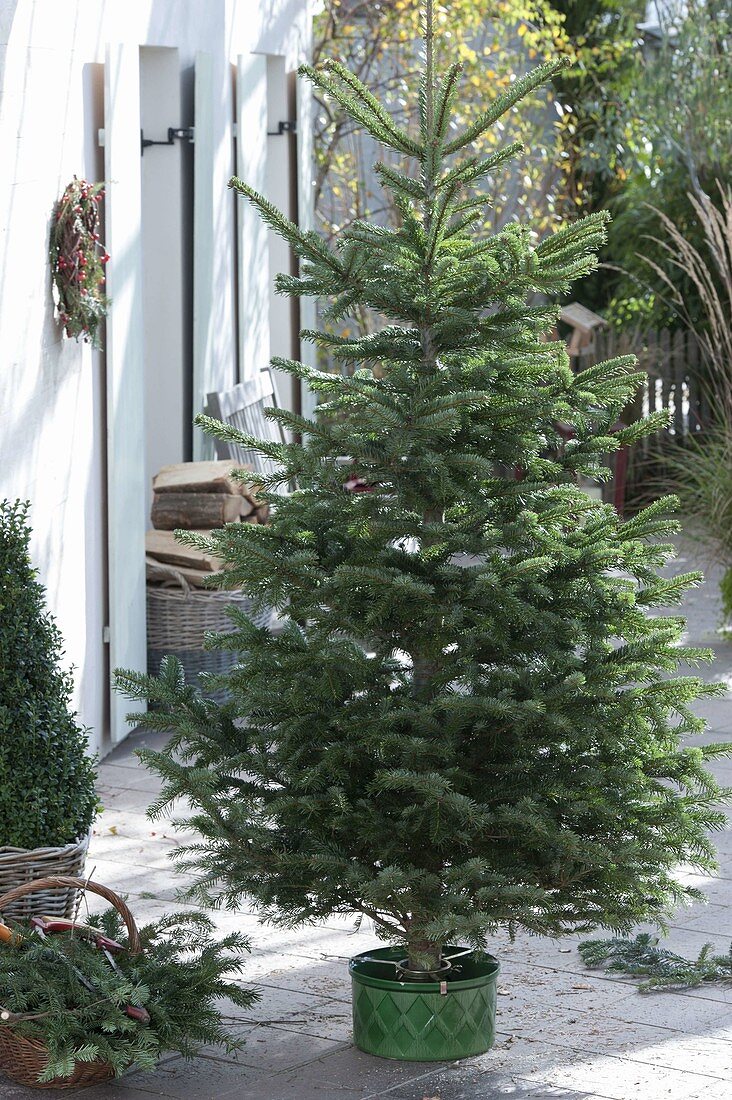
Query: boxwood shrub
{"type": "Point", "coordinates": [47, 796]}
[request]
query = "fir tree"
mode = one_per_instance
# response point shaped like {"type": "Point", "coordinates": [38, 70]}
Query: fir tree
{"type": "Point", "coordinates": [47, 796]}
{"type": "Point", "coordinates": [471, 719]}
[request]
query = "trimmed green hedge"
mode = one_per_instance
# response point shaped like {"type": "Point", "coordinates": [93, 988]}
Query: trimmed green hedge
{"type": "Point", "coordinates": [47, 795]}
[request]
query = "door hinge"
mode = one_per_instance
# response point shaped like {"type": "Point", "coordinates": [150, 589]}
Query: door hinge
{"type": "Point", "coordinates": [283, 128]}
{"type": "Point", "coordinates": [185, 133]}
{"type": "Point", "coordinates": [106, 635]}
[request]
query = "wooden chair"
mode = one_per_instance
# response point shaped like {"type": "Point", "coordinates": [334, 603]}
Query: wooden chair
{"type": "Point", "coordinates": [243, 407]}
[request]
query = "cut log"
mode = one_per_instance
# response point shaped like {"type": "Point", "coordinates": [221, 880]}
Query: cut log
{"type": "Point", "coordinates": [197, 510]}
{"type": "Point", "coordinates": [201, 477]}
{"type": "Point", "coordinates": [163, 546]}
{"type": "Point", "coordinates": [262, 513]}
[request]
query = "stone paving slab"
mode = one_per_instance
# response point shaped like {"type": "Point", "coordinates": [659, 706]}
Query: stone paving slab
{"type": "Point", "coordinates": [563, 1032]}
{"type": "Point", "coordinates": [324, 1019]}
{"type": "Point", "coordinates": [205, 1078]}
{"type": "Point", "coordinates": [495, 1088]}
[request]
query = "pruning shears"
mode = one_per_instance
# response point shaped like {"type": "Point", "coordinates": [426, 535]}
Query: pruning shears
{"type": "Point", "coordinates": [46, 926]}
{"type": "Point", "coordinates": [61, 924]}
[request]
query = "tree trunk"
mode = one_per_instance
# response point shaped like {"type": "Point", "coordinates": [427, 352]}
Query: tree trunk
{"type": "Point", "coordinates": [424, 955]}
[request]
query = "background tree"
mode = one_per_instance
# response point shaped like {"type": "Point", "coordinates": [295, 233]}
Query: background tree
{"type": "Point", "coordinates": [580, 134]}
{"type": "Point", "coordinates": [469, 720]}
{"type": "Point", "coordinates": [495, 40]}
{"type": "Point", "coordinates": [600, 134]}
{"type": "Point", "coordinates": [680, 102]}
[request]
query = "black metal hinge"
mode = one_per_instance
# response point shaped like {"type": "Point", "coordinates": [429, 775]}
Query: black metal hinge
{"type": "Point", "coordinates": [184, 133]}
{"type": "Point", "coordinates": [283, 128]}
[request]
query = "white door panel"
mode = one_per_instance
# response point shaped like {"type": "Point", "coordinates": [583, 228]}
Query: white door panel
{"type": "Point", "coordinates": [305, 217]}
{"type": "Point", "coordinates": [252, 246]}
{"type": "Point", "coordinates": [125, 378]}
{"type": "Point", "coordinates": [203, 246]}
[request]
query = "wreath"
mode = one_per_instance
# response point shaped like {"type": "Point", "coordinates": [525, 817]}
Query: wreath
{"type": "Point", "coordinates": [77, 261]}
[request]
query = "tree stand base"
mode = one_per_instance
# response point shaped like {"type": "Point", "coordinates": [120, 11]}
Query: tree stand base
{"type": "Point", "coordinates": [423, 1021]}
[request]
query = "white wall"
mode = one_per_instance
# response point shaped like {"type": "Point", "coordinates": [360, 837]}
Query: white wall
{"type": "Point", "coordinates": [52, 391]}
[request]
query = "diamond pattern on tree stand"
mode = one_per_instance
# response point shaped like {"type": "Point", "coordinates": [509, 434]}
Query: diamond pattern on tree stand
{"type": "Point", "coordinates": [410, 1024]}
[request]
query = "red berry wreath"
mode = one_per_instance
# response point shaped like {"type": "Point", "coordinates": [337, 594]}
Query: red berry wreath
{"type": "Point", "coordinates": [77, 261]}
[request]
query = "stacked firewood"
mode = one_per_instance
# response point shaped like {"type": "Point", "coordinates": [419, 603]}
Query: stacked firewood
{"type": "Point", "coordinates": [195, 496]}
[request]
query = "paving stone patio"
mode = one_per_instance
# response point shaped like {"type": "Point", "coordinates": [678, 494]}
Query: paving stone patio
{"type": "Point", "coordinates": [563, 1032]}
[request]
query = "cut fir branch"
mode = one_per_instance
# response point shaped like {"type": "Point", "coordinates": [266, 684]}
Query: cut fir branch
{"type": "Point", "coordinates": [178, 979]}
{"type": "Point", "coordinates": [645, 957]}
{"type": "Point", "coordinates": [305, 244]}
{"type": "Point", "coordinates": [470, 719]}
{"type": "Point", "coordinates": [519, 90]}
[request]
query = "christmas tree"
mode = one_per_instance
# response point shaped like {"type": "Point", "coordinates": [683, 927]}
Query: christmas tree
{"type": "Point", "coordinates": [470, 719]}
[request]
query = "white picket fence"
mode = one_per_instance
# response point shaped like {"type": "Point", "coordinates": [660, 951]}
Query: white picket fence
{"type": "Point", "coordinates": [674, 368]}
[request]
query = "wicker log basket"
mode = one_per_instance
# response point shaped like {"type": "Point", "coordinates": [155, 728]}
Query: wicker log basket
{"type": "Point", "coordinates": [20, 866]}
{"type": "Point", "coordinates": [24, 1059]}
{"type": "Point", "coordinates": [178, 618]}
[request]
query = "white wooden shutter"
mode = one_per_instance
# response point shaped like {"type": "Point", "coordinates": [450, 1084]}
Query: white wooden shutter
{"type": "Point", "coordinates": [252, 251]}
{"type": "Point", "coordinates": [203, 246]}
{"type": "Point", "coordinates": [306, 220]}
{"type": "Point", "coordinates": [125, 378]}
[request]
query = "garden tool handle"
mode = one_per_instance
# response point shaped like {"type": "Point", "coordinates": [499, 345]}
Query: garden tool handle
{"type": "Point", "coordinates": [63, 924]}
{"type": "Point", "coordinates": [134, 945]}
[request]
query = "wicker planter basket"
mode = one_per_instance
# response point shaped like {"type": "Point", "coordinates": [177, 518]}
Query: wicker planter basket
{"type": "Point", "coordinates": [24, 1059]}
{"type": "Point", "coordinates": [178, 618]}
{"type": "Point", "coordinates": [19, 866]}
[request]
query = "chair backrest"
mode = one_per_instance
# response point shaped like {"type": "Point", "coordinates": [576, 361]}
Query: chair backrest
{"type": "Point", "coordinates": [243, 407]}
